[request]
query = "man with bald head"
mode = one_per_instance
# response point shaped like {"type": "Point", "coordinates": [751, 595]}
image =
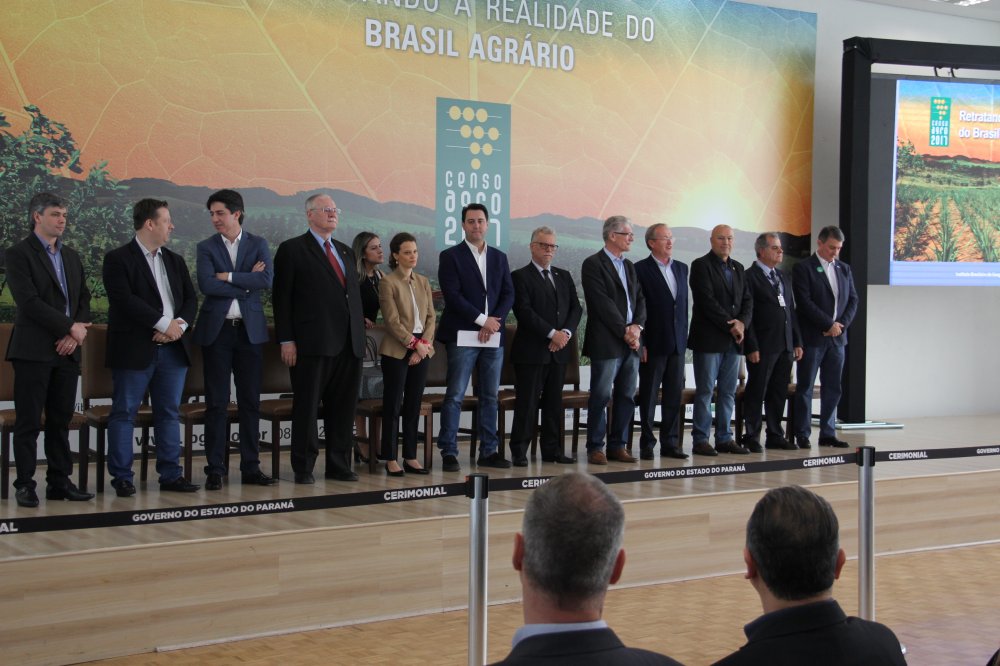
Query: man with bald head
{"type": "Point", "coordinates": [721, 311]}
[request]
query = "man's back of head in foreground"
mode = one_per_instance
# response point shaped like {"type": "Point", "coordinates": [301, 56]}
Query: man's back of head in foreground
{"type": "Point", "coordinates": [570, 550]}
{"type": "Point", "coordinates": [793, 556]}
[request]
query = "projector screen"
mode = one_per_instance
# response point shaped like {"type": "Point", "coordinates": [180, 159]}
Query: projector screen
{"type": "Point", "coordinates": [943, 168]}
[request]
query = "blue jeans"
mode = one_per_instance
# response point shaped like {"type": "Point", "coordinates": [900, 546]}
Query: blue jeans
{"type": "Point", "coordinates": [164, 378]}
{"type": "Point", "coordinates": [711, 369]}
{"type": "Point", "coordinates": [828, 360]}
{"type": "Point", "coordinates": [611, 377]}
{"type": "Point", "coordinates": [461, 361]}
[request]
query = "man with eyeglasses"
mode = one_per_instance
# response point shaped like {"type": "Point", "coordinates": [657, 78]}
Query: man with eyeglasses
{"type": "Point", "coordinates": [664, 284]}
{"type": "Point", "coordinates": [616, 310]}
{"type": "Point", "coordinates": [548, 312]}
{"type": "Point", "coordinates": [772, 344]}
{"type": "Point", "coordinates": [720, 314]}
{"type": "Point", "coordinates": [321, 328]}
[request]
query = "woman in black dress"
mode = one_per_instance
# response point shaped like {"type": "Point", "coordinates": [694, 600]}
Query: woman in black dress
{"type": "Point", "coordinates": [367, 248]}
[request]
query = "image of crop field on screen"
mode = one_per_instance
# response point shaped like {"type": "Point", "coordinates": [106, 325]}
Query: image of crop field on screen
{"type": "Point", "coordinates": [946, 184]}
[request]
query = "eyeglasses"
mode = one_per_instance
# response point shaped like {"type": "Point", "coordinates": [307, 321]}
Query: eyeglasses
{"type": "Point", "coordinates": [546, 246]}
{"type": "Point", "coordinates": [629, 234]}
{"type": "Point", "coordinates": [329, 210]}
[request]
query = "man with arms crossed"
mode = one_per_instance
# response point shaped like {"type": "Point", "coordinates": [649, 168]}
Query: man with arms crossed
{"type": "Point", "coordinates": [548, 312]}
{"type": "Point", "coordinates": [825, 304]}
{"type": "Point", "coordinates": [664, 284]}
{"type": "Point", "coordinates": [233, 267]}
{"type": "Point", "coordinates": [792, 556]}
{"type": "Point", "coordinates": [321, 328]}
{"type": "Point", "coordinates": [53, 312]}
{"type": "Point", "coordinates": [478, 294]}
{"type": "Point", "coordinates": [151, 303]}
{"type": "Point", "coordinates": [616, 312]}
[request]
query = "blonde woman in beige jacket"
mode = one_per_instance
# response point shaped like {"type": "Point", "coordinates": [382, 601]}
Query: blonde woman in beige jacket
{"type": "Point", "coordinates": [408, 311]}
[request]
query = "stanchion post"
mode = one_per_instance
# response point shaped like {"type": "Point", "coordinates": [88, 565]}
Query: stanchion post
{"type": "Point", "coordinates": [866, 532]}
{"type": "Point", "coordinates": [477, 489]}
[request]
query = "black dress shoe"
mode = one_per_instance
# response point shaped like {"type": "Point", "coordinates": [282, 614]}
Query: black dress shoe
{"type": "Point", "coordinates": [731, 447]}
{"type": "Point", "coordinates": [780, 443]}
{"type": "Point", "coordinates": [410, 469]}
{"type": "Point", "coordinates": [179, 485]}
{"type": "Point", "coordinates": [123, 487]}
{"type": "Point", "coordinates": [561, 459]}
{"type": "Point", "coordinates": [493, 460]}
{"type": "Point", "coordinates": [304, 478]}
{"type": "Point", "coordinates": [752, 445]}
{"type": "Point", "coordinates": [26, 497]}
{"type": "Point", "coordinates": [213, 482]}
{"type": "Point", "coordinates": [802, 442]}
{"type": "Point", "coordinates": [520, 461]}
{"type": "Point", "coordinates": [672, 452]}
{"type": "Point", "coordinates": [257, 478]}
{"type": "Point", "coordinates": [834, 442]}
{"type": "Point", "coordinates": [450, 464]}
{"type": "Point", "coordinates": [70, 492]}
{"type": "Point", "coordinates": [646, 454]}
{"type": "Point", "coordinates": [345, 475]}
{"type": "Point", "coordinates": [398, 472]}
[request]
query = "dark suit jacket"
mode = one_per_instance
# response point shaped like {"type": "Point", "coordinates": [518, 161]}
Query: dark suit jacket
{"type": "Point", "coordinates": [600, 647]}
{"type": "Point", "coordinates": [134, 304]}
{"type": "Point", "coordinates": [538, 311]}
{"type": "Point", "coordinates": [41, 318]}
{"type": "Point", "coordinates": [311, 308]}
{"type": "Point", "coordinates": [715, 303]}
{"type": "Point", "coordinates": [666, 329]}
{"type": "Point", "coordinates": [818, 634]}
{"type": "Point", "coordinates": [773, 328]}
{"type": "Point", "coordinates": [245, 287]}
{"type": "Point", "coordinates": [465, 295]}
{"type": "Point", "coordinates": [814, 300]}
{"type": "Point", "coordinates": [607, 306]}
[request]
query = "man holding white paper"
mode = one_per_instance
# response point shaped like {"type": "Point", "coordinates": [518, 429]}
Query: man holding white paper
{"type": "Point", "coordinates": [478, 294]}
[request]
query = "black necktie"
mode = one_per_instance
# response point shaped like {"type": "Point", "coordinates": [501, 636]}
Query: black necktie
{"type": "Point", "coordinates": [552, 286]}
{"type": "Point", "coordinates": [774, 281]}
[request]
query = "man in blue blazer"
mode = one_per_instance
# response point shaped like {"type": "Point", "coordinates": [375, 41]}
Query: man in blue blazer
{"type": "Point", "coordinates": [825, 303]}
{"type": "Point", "coordinates": [664, 284]}
{"type": "Point", "coordinates": [233, 267]}
{"type": "Point", "coordinates": [478, 294]}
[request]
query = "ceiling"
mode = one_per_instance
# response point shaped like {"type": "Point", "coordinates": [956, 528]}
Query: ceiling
{"type": "Point", "coordinates": [986, 11]}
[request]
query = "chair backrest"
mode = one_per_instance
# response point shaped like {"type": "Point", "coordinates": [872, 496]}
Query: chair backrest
{"type": "Point", "coordinates": [96, 382]}
{"type": "Point", "coordinates": [194, 380]}
{"type": "Point", "coordinates": [6, 369]}
{"type": "Point", "coordinates": [437, 371]}
{"type": "Point", "coordinates": [507, 369]}
{"type": "Point", "coordinates": [573, 366]}
{"type": "Point", "coordinates": [275, 377]}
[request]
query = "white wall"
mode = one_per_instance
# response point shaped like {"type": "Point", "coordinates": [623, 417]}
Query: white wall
{"type": "Point", "coordinates": [930, 350]}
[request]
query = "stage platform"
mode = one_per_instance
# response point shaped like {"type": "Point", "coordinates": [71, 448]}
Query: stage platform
{"type": "Point", "coordinates": [77, 595]}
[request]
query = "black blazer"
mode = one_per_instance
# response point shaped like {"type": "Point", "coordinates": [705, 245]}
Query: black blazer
{"type": "Point", "coordinates": [666, 329]}
{"type": "Point", "coordinates": [311, 307]}
{"type": "Point", "coordinates": [538, 311]}
{"type": "Point", "coordinates": [607, 306]}
{"type": "Point", "coordinates": [597, 647]}
{"type": "Point", "coordinates": [814, 300]}
{"type": "Point", "coordinates": [40, 320]}
{"type": "Point", "coordinates": [134, 304]}
{"type": "Point", "coordinates": [715, 303]}
{"type": "Point", "coordinates": [773, 328]}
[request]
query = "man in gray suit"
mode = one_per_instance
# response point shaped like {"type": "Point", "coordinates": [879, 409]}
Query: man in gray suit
{"type": "Point", "coordinates": [568, 552]}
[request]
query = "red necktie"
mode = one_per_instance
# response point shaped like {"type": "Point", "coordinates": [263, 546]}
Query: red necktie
{"type": "Point", "coordinates": [336, 264]}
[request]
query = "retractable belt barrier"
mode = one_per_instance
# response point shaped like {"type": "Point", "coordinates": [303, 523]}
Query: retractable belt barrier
{"type": "Point", "coordinates": [392, 495]}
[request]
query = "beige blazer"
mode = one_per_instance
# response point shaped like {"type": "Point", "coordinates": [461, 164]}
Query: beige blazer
{"type": "Point", "coordinates": [397, 311]}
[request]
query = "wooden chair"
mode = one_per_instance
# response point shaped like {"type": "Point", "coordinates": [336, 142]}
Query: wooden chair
{"type": "Point", "coordinates": [9, 416]}
{"type": "Point", "coordinates": [275, 380]}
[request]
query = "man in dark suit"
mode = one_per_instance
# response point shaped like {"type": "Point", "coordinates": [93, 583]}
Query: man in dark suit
{"type": "Point", "coordinates": [721, 311]}
{"type": "Point", "coordinates": [792, 556]}
{"type": "Point", "coordinates": [548, 312]}
{"type": "Point", "coordinates": [772, 343]}
{"type": "Point", "coordinates": [664, 284]}
{"type": "Point", "coordinates": [616, 311]}
{"type": "Point", "coordinates": [478, 294]}
{"type": "Point", "coordinates": [233, 267]}
{"type": "Point", "coordinates": [151, 303]}
{"type": "Point", "coordinates": [53, 312]}
{"type": "Point", "coordinates": [825, 303]}
{"type": "Point", "coordinates": [568, 552]}
{"type": "Point", "coordinates": [321, 328]}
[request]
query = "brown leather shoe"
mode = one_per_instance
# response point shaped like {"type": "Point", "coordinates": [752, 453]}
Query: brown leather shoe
{"type": "Point", "coordinates": [597, 458]}
{"type": "Point", "coordinates": [621, 455]}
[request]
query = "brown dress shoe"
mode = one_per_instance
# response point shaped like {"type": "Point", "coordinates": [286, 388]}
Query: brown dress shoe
{"type": "Point", "coordinates": [621, 455]}
{"type": "Point", "coordinates": [597, 458]}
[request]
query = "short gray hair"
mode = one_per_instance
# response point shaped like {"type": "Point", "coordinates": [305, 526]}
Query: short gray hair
{"type": "Point", "coordinates": [763, 241]}
{"type": "Point", "coordinates": [651, 232]}
{"type": "Point", "coordinates": [613, 223]}
{"type": "Point", "coordinates": [542, 230]}
{"type": "Point", "coordinates": [573, 530]}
